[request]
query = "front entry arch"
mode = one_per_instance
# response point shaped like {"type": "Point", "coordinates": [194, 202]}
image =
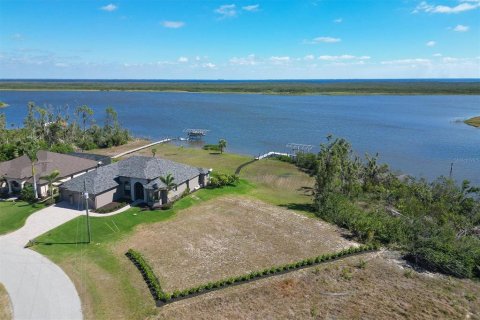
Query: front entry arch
{"type": "Point", "coordinates": [138, 189]}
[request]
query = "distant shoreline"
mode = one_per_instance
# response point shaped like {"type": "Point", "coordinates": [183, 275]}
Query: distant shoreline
{"type": "Point", "coordinates": [474, 122]}
{"type": "Point", "coordinates": [378, 87]}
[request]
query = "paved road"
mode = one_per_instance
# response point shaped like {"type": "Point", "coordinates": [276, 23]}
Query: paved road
{"type": "Point", "coordinates": [38, 288]}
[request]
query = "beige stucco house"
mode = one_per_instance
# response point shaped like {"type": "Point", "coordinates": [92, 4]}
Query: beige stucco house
{"type": "Point", "coordinates": [17, 173]}
{"type": "Point", "coordinates": [135, 179]}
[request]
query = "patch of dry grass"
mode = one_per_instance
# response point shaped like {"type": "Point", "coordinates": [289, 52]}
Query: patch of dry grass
{"type": "Point", "coordinates": [5, 304]}
{"type": "Point", "coordinates": [378, 290]}
{"type": "Point", "coordinates": [229, 236]}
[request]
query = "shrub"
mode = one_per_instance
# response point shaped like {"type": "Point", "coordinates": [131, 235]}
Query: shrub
{"type": "Point", "coordinates": [61, 148]}
{"type": "Point", "coordinates": [27, 194]}
{"type": "Point", "coordinates": [218, 180]}
{"type": "Point", "coordinates": [212, 147]}
{"type": "Point", "coordinates": [148, 275]}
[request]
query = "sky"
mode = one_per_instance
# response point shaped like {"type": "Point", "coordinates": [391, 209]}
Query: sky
{"type": "Point", "coordinates": [281, 39]}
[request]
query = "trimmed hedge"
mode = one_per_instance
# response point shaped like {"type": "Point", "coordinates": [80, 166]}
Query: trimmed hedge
{"type": "Point", "coordinates": [148, 275]}
{"type": "Point", "coordinates": [166, 297]}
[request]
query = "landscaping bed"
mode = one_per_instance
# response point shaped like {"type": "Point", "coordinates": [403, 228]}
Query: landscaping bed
{"type": "Point", "coordinates": [112, 206]}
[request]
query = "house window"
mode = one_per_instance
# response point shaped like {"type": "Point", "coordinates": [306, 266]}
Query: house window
{"type": "Point", "coordinates": [126, 186]}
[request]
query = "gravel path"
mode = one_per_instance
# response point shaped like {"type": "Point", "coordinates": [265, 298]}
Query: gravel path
{"type": "Point", "coordinates": [38, 288]}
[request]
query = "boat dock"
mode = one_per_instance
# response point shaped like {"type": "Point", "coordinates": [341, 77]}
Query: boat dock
{"type": "Point", "coordinates": [273, 154]}
{"type": "Point", "coordinates": [142, 147]}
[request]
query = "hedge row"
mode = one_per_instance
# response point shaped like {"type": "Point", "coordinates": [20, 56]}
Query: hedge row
{"type": "Point", "coordinates": [165, 296]}
{"type": "Point", "coordinates": [148, 275]}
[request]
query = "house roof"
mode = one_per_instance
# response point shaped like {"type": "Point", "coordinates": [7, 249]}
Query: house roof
{"type": "Point", "coordinates": [92, 156]}
{"type": "Point", "coordinates": [147, 168]}
{"type": "Point", "coordinates": [21, 167]}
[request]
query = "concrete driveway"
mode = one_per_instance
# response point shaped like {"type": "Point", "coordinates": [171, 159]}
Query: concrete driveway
{"type": "Point", "coordinates": [37, 287]}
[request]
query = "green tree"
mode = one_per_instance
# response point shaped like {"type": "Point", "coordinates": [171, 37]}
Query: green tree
{"type": "Point", "coordinates": [169, 182]}
{"type": "Point", "coordinates": [85, 113]}
{"type": "Point", "coordinates": [154, 152]}
{"type": "Point", "coordinates": [111, 120]}
{"type": "Point", "coordinates": [51, 179]}
{"type": "Point", "coordinates": [222, 144]}
{"type": "Point", "coordinates": [31, 149]}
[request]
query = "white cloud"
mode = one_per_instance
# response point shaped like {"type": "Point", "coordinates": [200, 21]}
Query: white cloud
{"type": "Point", "coordinates": [227, 11]}
{"type": "Point", "coordinates": [309, 57]}
{"type": "Point", "coordinates": [173, 24]}
{"type": "Point", "coordinates": [109, 7]}
{"type": "Point", "coordinates": [250, 60]}
{"type": "Point", "coordinates": [209, 65]}
{"type": "Point", "coordinates": [279, 60]}
{"type": "Point", "coordinates": [461, 28]}
{"type": "Point", "coordinates": [449, 60]}
{"type": "Point", "coordinates": [61, 64]}
{"type": "Point", "coordinates": [430, 43]}
{"type": "Point", "coordinates": [437, 55]}
{"type": "Point", "coordinates": [251, 8]}
{"type": "Point", "coordinates": [343, 57]}
{"type": "Point", "coordinates": [407, 61]}
{"type": "Point", "coordinates": [182, 59]}
{"type": "Point", "coordinates": [465, 5]}
{"type": "Point", "coordinates": [324, 40]}
{"type": "Point", "coordinates": [339, 20]}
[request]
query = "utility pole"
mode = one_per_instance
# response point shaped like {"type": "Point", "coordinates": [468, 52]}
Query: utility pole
{"type": "Point", "coordinates": [85, 195]}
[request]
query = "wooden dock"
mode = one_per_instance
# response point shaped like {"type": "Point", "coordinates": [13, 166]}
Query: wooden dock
{"type": "Point", "coordinates": [142, 147]}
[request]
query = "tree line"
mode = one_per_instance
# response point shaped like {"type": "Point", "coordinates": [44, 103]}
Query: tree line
{"type": "Point", "coordinates": [436, 224]}
{"type": "Point", "coordinates": [58, 130]}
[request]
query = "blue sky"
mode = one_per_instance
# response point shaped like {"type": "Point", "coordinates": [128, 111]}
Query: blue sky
{"type": "Point", "coordinates": [310, 39]}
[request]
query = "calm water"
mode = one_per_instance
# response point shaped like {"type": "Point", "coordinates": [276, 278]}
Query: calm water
{"type": "Point", "coordinates": [419, 135]}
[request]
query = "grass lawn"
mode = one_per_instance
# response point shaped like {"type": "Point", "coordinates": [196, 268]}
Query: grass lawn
{"type": "Point", "coordinates": [14, 214]}
{"type": "Point", "coordinates": [5, 304]}
{"type": "Point", "coordinates": [276, 182]}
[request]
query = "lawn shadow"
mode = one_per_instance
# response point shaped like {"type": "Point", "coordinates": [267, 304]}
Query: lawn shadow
{"type": "Point", "coordinates": [49, 243]}
{"type": "Point", "coordinates": [305, 207]}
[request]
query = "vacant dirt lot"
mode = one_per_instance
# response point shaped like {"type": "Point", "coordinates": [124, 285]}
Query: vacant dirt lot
{"type": "Point", "coordinates": [380, 289]}
{"type": "Point", "coordinates": [229, 236]}
{"type": "Point", "coordinates": [5, 306]}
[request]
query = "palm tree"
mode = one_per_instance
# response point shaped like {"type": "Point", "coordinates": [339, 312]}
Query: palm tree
{"type": "Point", "coordinates": [51, 178]}
{"type": "Point", "coordinates": [31, 150]}
{"type": "Point", "coordinates": [222, 144]}
{"type": "Point", "coordinates": [154, 151]}
{"type": "Point", "coordinates": [168, 180]}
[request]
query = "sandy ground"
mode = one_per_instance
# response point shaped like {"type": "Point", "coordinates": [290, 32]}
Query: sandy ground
{"type": "Point", "coordinates": [382, 289]}
{"type": "Point", "coordinates": [230, 236]}
{"type": "Point", "coordinates": [5, 304]}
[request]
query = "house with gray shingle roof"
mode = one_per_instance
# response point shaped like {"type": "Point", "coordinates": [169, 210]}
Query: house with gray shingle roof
{"type": "Point", "coordinates": [134, 179]}
{"type": "Point", "coordinates": [16, 173]}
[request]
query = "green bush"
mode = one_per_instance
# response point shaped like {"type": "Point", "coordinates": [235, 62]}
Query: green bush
{"type": "Point", "coordinates": [148, 275]}
{"type": "Point", "coordinates": [62, 148]}
{"type": "Point", "coordinates": [27, 194]}
{"type": "Point", "coordinates": [212, 147]}
{"type": "Point", "coordinates": [218, 180]}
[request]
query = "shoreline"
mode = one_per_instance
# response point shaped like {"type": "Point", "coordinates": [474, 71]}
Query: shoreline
{"type": "Point", "coordinates": [346, 93]}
